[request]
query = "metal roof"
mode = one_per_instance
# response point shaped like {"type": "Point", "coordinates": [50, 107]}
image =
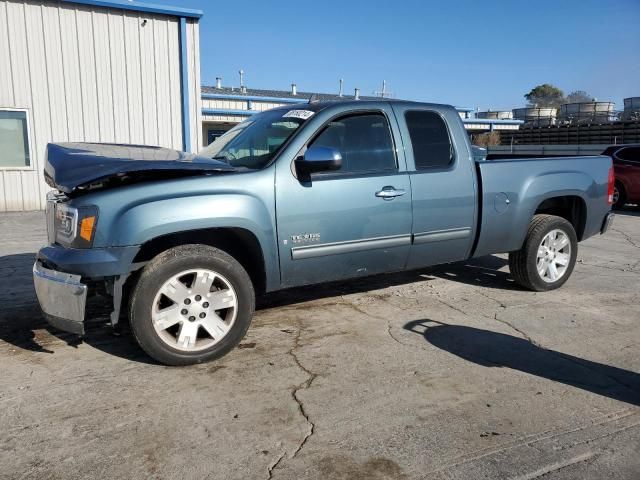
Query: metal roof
{"type": "Point", "coordinates": [141, 7]}
{"type": "Point", "coordinates": [276, 94]}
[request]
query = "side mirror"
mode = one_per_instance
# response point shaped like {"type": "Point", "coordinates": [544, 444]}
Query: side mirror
{"type": "Point", "coordinates": [318, 159]}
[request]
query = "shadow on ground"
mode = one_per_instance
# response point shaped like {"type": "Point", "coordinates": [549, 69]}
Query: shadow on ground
{"type": "Point", "coordinates": [22, 324]}
{"type": "Point", "coordinates": [493, 349]}
{"type": "Point", "coordinates": [628, 210]}
{"type": "Point", "coordinates": [484, 272]}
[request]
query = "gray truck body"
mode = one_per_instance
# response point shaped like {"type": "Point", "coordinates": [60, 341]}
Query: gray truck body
{"type": "Point", "coordinates": [291, 231]}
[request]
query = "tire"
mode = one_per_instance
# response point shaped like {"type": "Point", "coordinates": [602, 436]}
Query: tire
{"type": "Point", "coordinates": [524, 263]}
{"type": "Point", "coordinates": [173, 316]}
{"type": "Point", "coordinates": [620, 196]}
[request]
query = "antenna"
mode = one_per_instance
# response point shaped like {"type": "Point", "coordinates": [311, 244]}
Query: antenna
{"type": "Point", "coordinates": [340, 91]}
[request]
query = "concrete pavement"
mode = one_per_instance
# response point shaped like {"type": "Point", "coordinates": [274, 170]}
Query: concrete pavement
{"type": "Point", "coordinates": [446, 373]}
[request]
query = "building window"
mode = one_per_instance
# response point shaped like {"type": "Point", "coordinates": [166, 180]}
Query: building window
{"type": "Point", "coordinates": [429, 139]}
{"type": "Point", "coordinates": [14, 139]}
{"type": "Point", "coordinates": [212, 134]}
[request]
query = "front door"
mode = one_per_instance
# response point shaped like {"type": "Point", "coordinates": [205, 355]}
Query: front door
{"type": "Point", "coordinates": [351, 222]}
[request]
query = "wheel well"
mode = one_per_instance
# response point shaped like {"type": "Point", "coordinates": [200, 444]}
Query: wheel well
{"type": "Point", "coordinates": [571, 208]}
{"type": "Point", "coordinates": [240, 243]}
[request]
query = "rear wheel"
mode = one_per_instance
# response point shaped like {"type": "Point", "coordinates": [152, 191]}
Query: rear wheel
{"type": "Point", "coordinates": [546, 260]}
{"type": "Point", "coordinates": [192, 304]}
{"type": "Point", "coordinates": [619, 196]}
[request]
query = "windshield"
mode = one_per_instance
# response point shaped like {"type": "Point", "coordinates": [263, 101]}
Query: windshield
{"type": "Point", "coordinates": [254, 142]}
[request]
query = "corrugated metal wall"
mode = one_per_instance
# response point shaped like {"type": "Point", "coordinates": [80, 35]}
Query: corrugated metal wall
{"type": "Point", "coordinates": [95, 75]}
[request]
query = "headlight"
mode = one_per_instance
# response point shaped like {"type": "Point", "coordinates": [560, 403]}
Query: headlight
{"type": "Point", "coordinates": [75, 227]}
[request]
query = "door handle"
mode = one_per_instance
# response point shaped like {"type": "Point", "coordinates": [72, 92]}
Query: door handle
{"type": "Point", "coordinates": [389, 193]}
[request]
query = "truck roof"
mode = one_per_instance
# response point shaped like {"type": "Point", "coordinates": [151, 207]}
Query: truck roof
{"type": "Point", "coordinates": [317, 106]}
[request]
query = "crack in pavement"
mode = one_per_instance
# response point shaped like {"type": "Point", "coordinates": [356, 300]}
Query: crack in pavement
{"type": "Point", "coordinates": [275, 465]}
{"type": "Point", "coordinates": [553, 352]}
{"type": "Point", "coordinates": [559, 465]}
{"type": "Point", "coordinates": [311, 376]}
{"type": "Point", "coordinates": [532, 439]}
{"type": "Point", "coordinates": [520, 332]}
{"type": "Point", "coordinates": [294, 394]}
{"type": "Point", "coordinates": [627, 237]}
{"type": "Point", "coordinates": [630, 269]}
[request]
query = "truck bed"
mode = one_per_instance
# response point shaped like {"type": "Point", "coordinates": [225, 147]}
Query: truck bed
{"type": "Point", "coordinates": [513, 190]}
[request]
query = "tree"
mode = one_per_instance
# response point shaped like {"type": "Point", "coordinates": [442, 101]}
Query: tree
{"type": "Point", "coordinates": [486, 139]}
{"type": "Point", "coordinates": [579, 96]}
{"type": "Point", "coordinates": [545, 95]}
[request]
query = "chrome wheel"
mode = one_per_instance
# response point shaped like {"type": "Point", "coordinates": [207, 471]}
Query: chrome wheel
{"type": "Point", "coordinates": [194, 310]}
{"type": "Point", "coordinates": [554, 254]}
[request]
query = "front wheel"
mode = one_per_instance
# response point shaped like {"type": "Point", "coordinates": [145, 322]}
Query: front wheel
{"type": "Point", "coordinates": [549, 253]}
{"type": "Point", "coordinates": [191, 304]}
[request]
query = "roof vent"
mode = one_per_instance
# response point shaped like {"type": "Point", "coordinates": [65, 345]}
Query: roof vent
{"type": "Point", "coordinates": [357, 94]}
{"type": "Point", "coordinates": [219, 83]}
{"type": "Point", "coordinates": [243, 89]}
{"type": "Point", "coordinates": [294, 89]}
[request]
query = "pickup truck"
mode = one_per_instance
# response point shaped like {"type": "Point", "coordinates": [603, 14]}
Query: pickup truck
{"type": "Point", "coordinates": [295, 196]}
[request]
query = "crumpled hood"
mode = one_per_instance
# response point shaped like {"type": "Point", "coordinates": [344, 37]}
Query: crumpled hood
{"type": "Point", "coordinates": [73, 166]}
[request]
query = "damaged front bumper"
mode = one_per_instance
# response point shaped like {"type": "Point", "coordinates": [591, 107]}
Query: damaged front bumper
{"type": "Point", "coordinates": [62, 297]}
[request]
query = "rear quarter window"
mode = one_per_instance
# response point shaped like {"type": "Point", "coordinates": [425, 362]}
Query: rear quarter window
{"type": "Point", "coordinates": [429, 139]}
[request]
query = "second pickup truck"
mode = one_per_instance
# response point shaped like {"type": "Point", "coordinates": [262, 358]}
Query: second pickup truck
{"type": "Point", "coordinates": [294, 196]}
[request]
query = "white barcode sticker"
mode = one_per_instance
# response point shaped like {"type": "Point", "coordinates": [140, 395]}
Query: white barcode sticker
{"type": "Point", "coordinates": [302, 114]}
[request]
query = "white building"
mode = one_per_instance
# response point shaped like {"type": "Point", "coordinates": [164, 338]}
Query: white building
{"type": "Point", "coordinates": [223, 107]}
{"type": "Point", "coordinates": [92, 71]}
{"type": "Point", "coordinates": [114, 71]}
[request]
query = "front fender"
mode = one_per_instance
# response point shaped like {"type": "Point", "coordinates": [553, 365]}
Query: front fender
{"type": "Point", "coordinates": [144, 222]}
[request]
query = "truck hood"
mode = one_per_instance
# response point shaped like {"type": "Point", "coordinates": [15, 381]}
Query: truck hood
{"type": "Point", "coordinates": [75, 167]}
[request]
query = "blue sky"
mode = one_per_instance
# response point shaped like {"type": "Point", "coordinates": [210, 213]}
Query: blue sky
{"type": "Point", "coordinates": [483, 54]}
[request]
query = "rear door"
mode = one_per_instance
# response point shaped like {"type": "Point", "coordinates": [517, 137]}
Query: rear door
{"type": "Point", "coordinates": [339, 225]}
{"type": "Point", "coordinates": [443, 184]}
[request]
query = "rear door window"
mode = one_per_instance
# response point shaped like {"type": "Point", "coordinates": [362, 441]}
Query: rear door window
{"type": "Point", "coordinates": [430, 140]}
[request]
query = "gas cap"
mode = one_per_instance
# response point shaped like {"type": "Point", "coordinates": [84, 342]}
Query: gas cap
{"type": "Point", "coordinates": [501, 202]}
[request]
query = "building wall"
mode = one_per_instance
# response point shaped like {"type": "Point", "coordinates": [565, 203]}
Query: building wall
{"type": "Point", "coordinates": [222, 104]}
{"type": "Point", "coordinates": [91, 74]}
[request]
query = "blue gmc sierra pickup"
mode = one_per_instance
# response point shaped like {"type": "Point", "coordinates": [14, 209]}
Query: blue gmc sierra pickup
{"type": "Point", "coordinates": [324, 191]}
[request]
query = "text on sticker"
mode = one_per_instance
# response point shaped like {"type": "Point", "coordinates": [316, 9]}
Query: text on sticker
{"type": "Point", "coordinates": [302, 114]}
